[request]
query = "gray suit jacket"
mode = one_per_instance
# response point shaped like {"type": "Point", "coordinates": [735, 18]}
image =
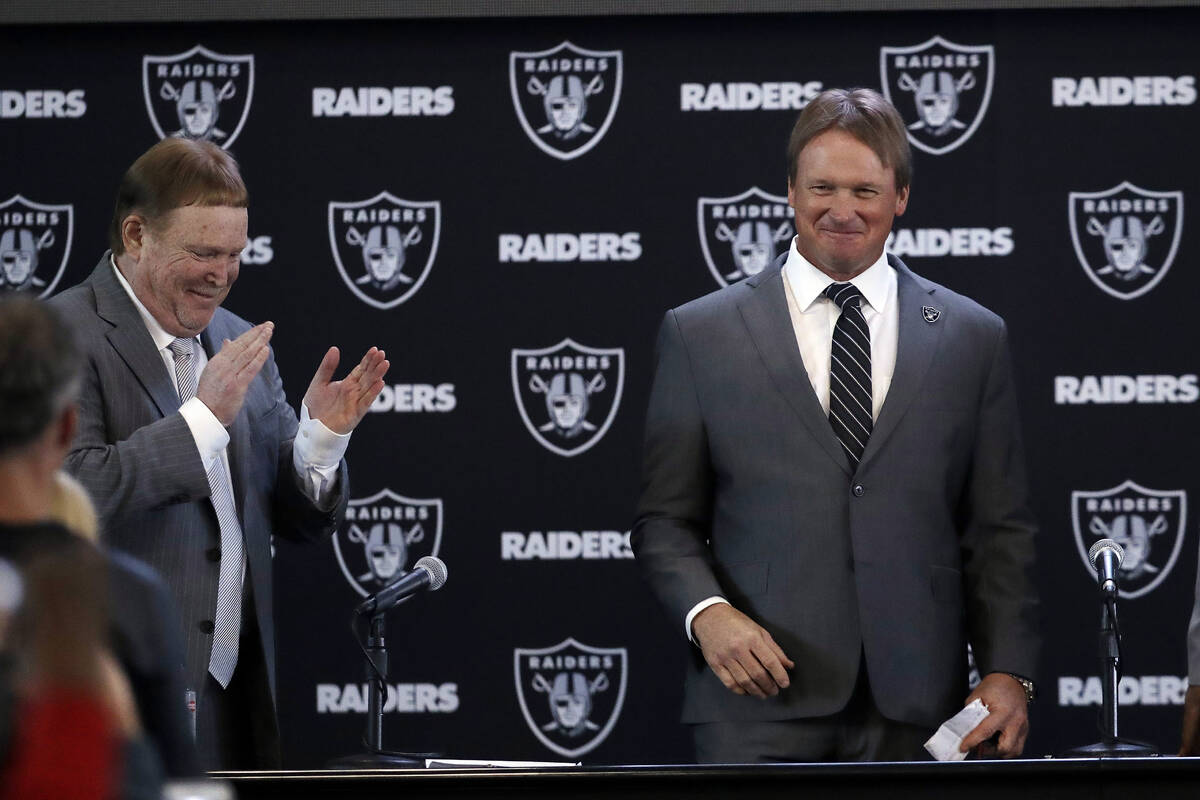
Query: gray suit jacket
{"type": "Point", "coordinates": [135, 454]}
{"type": "Point", "coordinates": [748, 494]}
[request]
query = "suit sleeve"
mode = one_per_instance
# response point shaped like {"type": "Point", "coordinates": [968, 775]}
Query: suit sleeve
{"type": "Point", "coordinates": [296, 514]}
{"type": "Point", "coordinates": [998, 536]}
{"type": "Point", "coordinates": [670, 534]}
{"type": "Point", "coordinates": [156, 465]}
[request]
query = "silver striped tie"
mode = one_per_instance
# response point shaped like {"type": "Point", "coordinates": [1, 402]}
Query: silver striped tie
{"type": "Point", "coordinates": [228, 619]}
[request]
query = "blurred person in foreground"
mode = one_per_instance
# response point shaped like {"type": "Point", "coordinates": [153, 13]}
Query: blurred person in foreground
{"type": "Point", "coordinates": [72, 726]}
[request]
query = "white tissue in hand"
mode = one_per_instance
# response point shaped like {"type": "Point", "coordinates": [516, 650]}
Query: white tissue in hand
{"type": "Point", "coordinates": [945, 744]}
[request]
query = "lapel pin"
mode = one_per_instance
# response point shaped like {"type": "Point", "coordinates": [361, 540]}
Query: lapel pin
{"type": "Point", "coordinates": [930, 314]}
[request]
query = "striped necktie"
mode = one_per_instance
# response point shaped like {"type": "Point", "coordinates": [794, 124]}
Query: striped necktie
{"type": "Point", "coordinates": [850, 372]}
{"type": "Point", "coordinates": [227, 621]}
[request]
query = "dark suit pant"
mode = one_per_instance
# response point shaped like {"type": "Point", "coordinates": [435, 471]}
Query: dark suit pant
{"type": "Point", "coordinates": [235, 726]}
{"type": "Point", "coordinates": [856, 733]}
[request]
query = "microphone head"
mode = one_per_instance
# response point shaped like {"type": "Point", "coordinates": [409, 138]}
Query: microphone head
{"type": "Point", "coordinates": [437, 571]}
{"type": "Point", "coordinates": [1101, 546]}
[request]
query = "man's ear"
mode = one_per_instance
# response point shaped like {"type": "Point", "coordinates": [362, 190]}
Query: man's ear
{"type": "Point", "coordinates": [133, 234]}
{"type": "Point", "coordinates": [65, 427]}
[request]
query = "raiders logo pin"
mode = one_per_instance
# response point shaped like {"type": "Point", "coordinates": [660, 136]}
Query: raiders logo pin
{"type": "Point", "coordinates": [930, 314]}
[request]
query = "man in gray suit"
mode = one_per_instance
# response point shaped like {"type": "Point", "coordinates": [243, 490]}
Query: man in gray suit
{"type": "Point", "coordinates": [834, 499]}
{"type": "Point", "coordinates": [186, 439]}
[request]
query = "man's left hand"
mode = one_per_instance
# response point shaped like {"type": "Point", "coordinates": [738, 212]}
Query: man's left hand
{"type": "Point", "coordinates": [340, 405]}
{"type": "Point", "coordinates": [1004, 697]}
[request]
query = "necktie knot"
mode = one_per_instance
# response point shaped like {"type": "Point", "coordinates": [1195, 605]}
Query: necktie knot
{"type": "Point", "coordinates": [843, 293]}
{"type": "Point", "coordinates": [183, 348]}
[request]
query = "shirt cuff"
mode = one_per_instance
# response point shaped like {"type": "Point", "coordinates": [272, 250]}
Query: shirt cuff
{"type": "Point", "coordinates": [317, 446]}
{"type": "Point", "coordinates": [696, 609]}
{"type": "Point", "coordinates": [209, 434]}
{"type": "Point", "coordinates": [316, 454]}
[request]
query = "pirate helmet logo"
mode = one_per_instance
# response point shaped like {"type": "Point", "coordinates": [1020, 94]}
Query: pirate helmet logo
{"type": "Point", "coordinates": [35, 241]}
{"type": "Point", "coordinates": [583, 689]}
{"type": "Point", "coordinates": [1126, 237]}
{"type": "Point", "coordinates": [565, 97]}
{"type": "Point", "coordinates": [384, 247]}
{"type": "Point", "coordinates": [940, 88]}
{"type": "Point", "coordinates": [198, 94]}
{"type": "Point", "coordinates": [743, 234]}
{"type": "Point", "coordinates": [383, 536]}
{"type": "Point", "coordinates": [571, 390]}
{"type": "Point", "coordinates": [1147, 523]}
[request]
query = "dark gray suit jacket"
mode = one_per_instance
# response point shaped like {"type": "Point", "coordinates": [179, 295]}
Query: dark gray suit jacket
{"type": "Point", "coordinates": [135, 454]}
{"type": "Point", "coordinates": [748, 494]}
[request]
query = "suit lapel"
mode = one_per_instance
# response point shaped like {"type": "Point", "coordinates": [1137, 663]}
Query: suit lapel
{"type": "Point", "coordinates": [918, 341]}
{"type": "Point", "coordinates": [130, 338]}
{"type": "Point", "coordinates": [765, 313]}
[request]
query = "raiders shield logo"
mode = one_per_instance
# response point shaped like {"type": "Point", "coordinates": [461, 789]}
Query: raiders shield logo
{"type": "Point", "coordinates": [940, 88]}
{"type": "Point", "coordinates": [1126, 237]}
{"type": "Point", "coordinates": [198, 94]}
{"type": "Point", "coordinates": [742, 235]}
{"type": "Point", "coordinates": [571, 694]}
{"type": "Point", "coordinates": [565, 97]}
{"type": "Point", "coordinates": [568, 394]}
{"type": "Point", "coordinates": [1147, 523]}
{"type": "Point", "coordinates": [384, 247]}
{"type": "Point", "coordinates": [383, 536]}
{"type": "Point", "coordinates": [35, 241]}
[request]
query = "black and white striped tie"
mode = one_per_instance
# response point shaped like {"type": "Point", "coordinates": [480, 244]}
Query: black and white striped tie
{"type": "Point", "coordinates": [227, 621]}
{"type": "Point", "coordinates": [850, 372]}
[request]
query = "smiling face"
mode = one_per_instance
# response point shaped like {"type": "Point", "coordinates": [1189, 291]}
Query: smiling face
{"type": "Point", "coordinates": [845, 200]}
{"type": "Point", "coordinates": [182, 266]}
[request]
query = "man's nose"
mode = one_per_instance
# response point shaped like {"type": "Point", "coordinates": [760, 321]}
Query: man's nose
{"type": "Point", "coordinates": [842, 206]}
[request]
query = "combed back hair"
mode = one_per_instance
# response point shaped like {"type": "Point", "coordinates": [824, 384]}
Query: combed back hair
{"type": "Point", "coordinates": [40, 363]}
{"type": "Point", "coordinates": [174, 173]}
{"type": "Point", "coordinates": [864, 114]}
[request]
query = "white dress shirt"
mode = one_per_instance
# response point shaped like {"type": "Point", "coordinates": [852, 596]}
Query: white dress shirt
{"type": "Point", "coordinates": [315, 453]}
{"type": "Point", "coordinates": [813, 318]}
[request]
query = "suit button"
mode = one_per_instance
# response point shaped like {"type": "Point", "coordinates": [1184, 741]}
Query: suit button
{"type": "Point", "coordinates": [213, 554]}
{"type": "Point", "coordinates": [206, 626]}
{"type": "Point", "coordinates": [859, 490]}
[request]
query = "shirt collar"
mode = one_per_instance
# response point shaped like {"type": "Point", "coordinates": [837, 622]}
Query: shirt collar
{"type": "Point", "coordinates": [162, 339]}
{"type": "Point", "coordinates": [808, 283]}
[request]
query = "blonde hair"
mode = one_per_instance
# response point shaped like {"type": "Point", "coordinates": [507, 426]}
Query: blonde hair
{"type": "Point", "coordinates": [72, 507]}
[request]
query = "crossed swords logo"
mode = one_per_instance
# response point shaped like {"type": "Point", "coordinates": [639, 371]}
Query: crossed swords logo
{"type": "Point", "coordinates": [599, 684]}
{"type": "Point", "coordinates": [170, 93]}
{"type": "Point", "coordinates": [1099, 527]}
{"type": "Point", "coordinates": [356, 535]}
{"type": "Point", "coordinates": [535, 86]}
{"type": "Point", "coordinates": [539, 386]}
{"type": "Point", "coordinates": [356, 239]}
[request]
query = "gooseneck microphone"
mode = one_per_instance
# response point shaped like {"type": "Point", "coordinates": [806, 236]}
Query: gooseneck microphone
{"type": "Point", "coordinates": [1106, 557]}
{"type": "Point", "coordinates": [428, 573]}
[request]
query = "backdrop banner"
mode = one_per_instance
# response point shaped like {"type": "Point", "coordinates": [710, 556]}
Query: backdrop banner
{"type": "Point", "coordinates": [509, 206]}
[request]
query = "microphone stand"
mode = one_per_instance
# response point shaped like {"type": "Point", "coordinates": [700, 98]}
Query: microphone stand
{"type": "Point", "coordinates": [1111, 744]}
{"type": "Point", "coordinates": [376, 757]}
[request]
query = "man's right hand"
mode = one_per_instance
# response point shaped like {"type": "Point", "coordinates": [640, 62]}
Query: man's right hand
{"type": "Point", "coordinates": [226, 378]}
{"type": "Point", "coordinates": [740, 652]}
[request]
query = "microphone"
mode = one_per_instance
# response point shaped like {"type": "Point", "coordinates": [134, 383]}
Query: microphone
{"type": "Point", "coordinates": [1106, 557]}
{"type": "Point", "coordinates": [428, 573]}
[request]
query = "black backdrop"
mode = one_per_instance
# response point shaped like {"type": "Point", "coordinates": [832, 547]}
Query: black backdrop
{"type": "Point", "coordinates": [450, 464]}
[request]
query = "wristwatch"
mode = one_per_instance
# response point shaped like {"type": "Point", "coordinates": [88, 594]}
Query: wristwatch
{"type": "Point", "coordinates": [1026, 684]}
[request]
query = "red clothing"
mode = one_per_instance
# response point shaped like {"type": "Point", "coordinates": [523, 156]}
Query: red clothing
{"type": "Point", "coordinates": [64, 748]}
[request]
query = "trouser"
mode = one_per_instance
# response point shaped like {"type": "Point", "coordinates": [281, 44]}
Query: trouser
{"type": "Point", "coordinates": [859, 732]}
{"type": "Point", "coordinates": [236, 726]}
